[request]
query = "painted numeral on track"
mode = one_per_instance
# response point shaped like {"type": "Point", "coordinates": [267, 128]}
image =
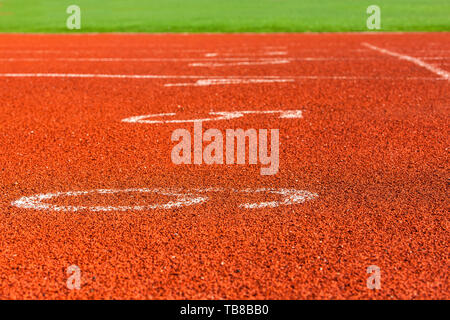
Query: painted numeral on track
{"type": "Point", "coordinates": [181, 199]}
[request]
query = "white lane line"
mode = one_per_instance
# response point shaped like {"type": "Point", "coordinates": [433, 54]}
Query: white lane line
{"type": "Point", "coordinates": [200, 60]}
{"type": "Point", "coordinates": [219, 115]}
{"type": "Point", "coordinates": [142, 59]}
{"type": "Point", "coordinates": [442, 73]}
{"type": "Point", "coordinates": [241, 63]}
{"type": "Point", "coordinates": [78, 50]}
{"type": "Point", "coordinates": [243, 54]}
{"type": "Point", "coordinates": [84, 75]}
{"type": "Point", "coordinates": [182, 199]}
{"type": "Point", "coordinates": [207, 80]}
{"type": "Point", "coordinates": [213, 82]}
{"type": "Point", "coordinates": [232, 81]}
{"type": "Point", "coordinates": [124, 76]}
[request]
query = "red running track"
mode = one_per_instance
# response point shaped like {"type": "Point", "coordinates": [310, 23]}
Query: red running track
{"type": "Point", "coordinates": [372, 145]}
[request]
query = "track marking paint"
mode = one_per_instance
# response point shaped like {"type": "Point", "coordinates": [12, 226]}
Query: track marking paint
{"type": "Point", "coordinates": [290, 197]}
{"type": "Point", "coordinates": [142, 119]}
{"type": "Point", "coordinates": [212, 82]}
{"type": "Point", "coordinates": [188, 198]}
{"type": "Point", "coordinates": [131, 76]}
{"type": "Point", "coordinates": [218, 60]}
{"type": "Point", "coordinates": [235, 54]}
{"type": "Point", "coordinates": [84, 75]}
{"type": "Point", "coordinates": [241, 63]}
{"type": "Point", "coordinates": [207, 80]}
{"type": "Point", "coordinates": [35, 202]}
{"type": "Point", "coordinates": [219, 115]}
{"type": "Point", "coordinates": [197, 60]}
{"type": "Point", "coordinates": [442, 73]}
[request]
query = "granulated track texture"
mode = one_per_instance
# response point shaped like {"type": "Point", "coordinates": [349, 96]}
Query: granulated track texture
{"type": "Point", "coordinates": [372, 144]}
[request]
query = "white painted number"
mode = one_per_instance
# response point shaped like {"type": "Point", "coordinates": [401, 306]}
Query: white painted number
{"type": "Point", "coordinates": [181, 199]}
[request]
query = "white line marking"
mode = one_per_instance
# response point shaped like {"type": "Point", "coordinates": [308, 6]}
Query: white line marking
{"type": "Point", "coordinates": [243, 59]}
{"type": "Point", "coordinates": [206, 80]}
{"type": "Point", "coordinates": [128, 76]}
{"type": "Point", "coordinates": [444, 74]}
{"type": "Point", "coordinates": [244, 54]}
{"type": "Point", "coordinates": [212, 82]}
{"type": "Point", "coordinates": [78, 75]}
{"type": "Point", "coordinates": [196, 60]}
{"type": "Point", "coordinates": [200, 60]}
{"type": "Point", "coordinates": [221, 115]}
{"type": "Point", "coordinates": [35, 202]}
{"type": "Point", "coordinates": [142, 119]}
{"type": "Point", "coordinates": [78, 50]}
{"type": "Point", "coordinates": [241, 63]}
{"type": "Point", "coordinates": [290, 196]}
{"type": "Point", "coordinates": [188, 198]}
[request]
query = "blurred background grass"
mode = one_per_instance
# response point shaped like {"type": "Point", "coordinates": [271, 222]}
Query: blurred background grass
{"type": "Point", "coordinates": [223, 15]}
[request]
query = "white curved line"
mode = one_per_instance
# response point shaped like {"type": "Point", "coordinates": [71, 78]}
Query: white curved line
{"type": "Point", "coordinates": [142, 119]}
{"type": "Point", "coordinates": [189, 198]}
{"type": "Point", "coordinates": [35, 202]}
{"type": "Point", "coordinates": [220, 115]}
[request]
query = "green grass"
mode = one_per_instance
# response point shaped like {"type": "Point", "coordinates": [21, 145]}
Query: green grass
{"type": "Point", "coordinates": [223, 15]}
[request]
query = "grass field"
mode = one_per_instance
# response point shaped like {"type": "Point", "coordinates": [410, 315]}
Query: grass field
{"type": "Point", "coordinates": [223, 16]}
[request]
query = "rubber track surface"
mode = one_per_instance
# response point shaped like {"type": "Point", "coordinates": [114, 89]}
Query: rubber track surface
{"type": "Point", "coordinates": [372, 144]}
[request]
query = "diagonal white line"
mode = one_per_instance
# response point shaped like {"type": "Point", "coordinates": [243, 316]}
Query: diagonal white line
{"type": "Point", "coordinates": [444, 74]}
